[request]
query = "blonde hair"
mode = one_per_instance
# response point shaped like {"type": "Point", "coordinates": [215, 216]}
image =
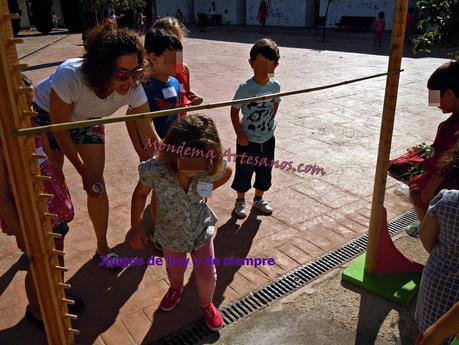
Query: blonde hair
{"type": "Point", "coordinates": [172, 25]}
{"type": "Point", "coordinates": [197, 132]}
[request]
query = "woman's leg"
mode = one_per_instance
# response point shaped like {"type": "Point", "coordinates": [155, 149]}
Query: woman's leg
{"type": "Point", "coordinates": [206, 275]}
{"type": "Point", "coordinates": [93, 156]}
{"type": "Point", "coordinates": [175, 273]}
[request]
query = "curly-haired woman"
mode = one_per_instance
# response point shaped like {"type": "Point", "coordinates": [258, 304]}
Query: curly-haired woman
{"type": "Point", "coordinates": [104, 80]}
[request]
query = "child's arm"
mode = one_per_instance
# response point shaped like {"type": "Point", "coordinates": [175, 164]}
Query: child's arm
{"type": "Point", "coordinates": [143, 128]}
{"type": "Point", "coordinates": [444, 327]}
{"type": "Point", "coordinates": [429, 232]}
{"type": "Point", "coordinates": [137, 237]}
{"type": "Point", "coordinates": [241, 137]}
{"type": "Point", "coordinates": [224, 179]}
{"type": "Point", "coordinates": [193, 97]}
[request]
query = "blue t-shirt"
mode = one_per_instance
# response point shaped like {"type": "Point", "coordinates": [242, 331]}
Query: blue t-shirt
{"type": "Point", "coordinates": [258, 117]}
{"type": "Point", "coordinates": [163, 95]}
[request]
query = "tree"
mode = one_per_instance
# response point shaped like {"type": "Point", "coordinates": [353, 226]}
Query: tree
{"type": "Point", "coordinates": [95, 7]}
{"type": "Point", "coordinates": [42, 15]}
{"type": "Point", "coordinates": [72, 11]}
{"type": "Point", "coordinates": [439, 20]}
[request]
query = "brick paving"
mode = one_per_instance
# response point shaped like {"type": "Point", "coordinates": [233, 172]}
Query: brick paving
{"type": "Point", "coordinates": [337, 129]}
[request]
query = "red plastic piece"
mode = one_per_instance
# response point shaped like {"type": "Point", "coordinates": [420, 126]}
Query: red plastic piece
{"type": "Point", "coordinates": [390, 259]}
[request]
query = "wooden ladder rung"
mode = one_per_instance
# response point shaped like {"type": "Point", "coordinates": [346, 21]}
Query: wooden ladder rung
{"type": "Point", "coordinates": [74, 331]}
{"type": "Point", "coordinates": [53, 234]}
{"type": "Point", "coordinates": [58, 252]}
{"type": "Point", "coordinates": [44, 178]}
{"type": "Point", "coordinates": [9, 16]}
{"type": "Point", "coordinates": [37, 156]}
{"type": "Point", "coordinates": [29, 113]}
{"type": "Point", "coordinates": [50, 215]}
{"type": "Point", "coordinates": [21, 66]}
{"type": "Point", "coordinates": [14, 41]}
{"type": "Point", "coordinates": [68, 301]}
{"type": "Point", "coordinates": [71, 316]}
{"type": "Point", "coordinates": [61, 268]}
{"type": "Point", "coordinates": [65, 286]}
{"type": "Point", "coordinates": [46, 195]}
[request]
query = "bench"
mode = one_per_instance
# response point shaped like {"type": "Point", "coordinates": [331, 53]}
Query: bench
{"type": "Point", "coordinates": [204, 20]}
{"type": "Point", "coordinates": [356, 23]}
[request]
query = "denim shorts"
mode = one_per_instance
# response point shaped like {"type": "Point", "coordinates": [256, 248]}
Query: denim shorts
{"type": "Point", "coordinates": [62, 229]}
{"type": "Point", "coordinates": [85, 135]}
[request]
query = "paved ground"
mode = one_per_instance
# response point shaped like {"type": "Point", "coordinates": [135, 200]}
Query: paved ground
{"type": "Point", "coordinates": [336, 129]}
{"type": "Point", "coordinates": [330, 311]}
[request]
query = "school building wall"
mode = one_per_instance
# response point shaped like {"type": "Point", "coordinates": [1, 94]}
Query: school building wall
{"type": "Point", "coordinates": [367, 8]}
{"type": "Point", "coordinates": [169, 7]}
{"type": "Point", "coordinates": [236, 9]}
{"type": "Point", "coordinates": [282, 12]}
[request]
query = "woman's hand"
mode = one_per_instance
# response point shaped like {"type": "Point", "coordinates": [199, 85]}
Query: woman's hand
{"type": "Point", "coordinates": [137, 238]}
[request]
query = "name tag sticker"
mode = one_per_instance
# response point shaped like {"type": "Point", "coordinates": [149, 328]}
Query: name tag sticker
{"type": "Point", "coordinates": [169, 92]}
{"type": "Point", "coordinates": [204, 189]}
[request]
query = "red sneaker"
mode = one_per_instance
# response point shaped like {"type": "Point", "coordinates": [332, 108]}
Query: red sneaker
{"type": "Point", "coordinates": [170, 299]}
{"type": "Point", "coordinates": [212, 317]}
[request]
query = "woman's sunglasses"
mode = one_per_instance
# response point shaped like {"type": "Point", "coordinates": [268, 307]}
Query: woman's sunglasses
{"type": "Point", "coordinates": [123, 74]}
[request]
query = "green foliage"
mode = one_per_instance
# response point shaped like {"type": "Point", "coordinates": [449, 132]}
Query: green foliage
{"type": "Point", "coordinates": [100, 5]}
{"type": "Point", "coordinates": [439, 20]}
{"type": "Point", "coordinates": [42, 15]}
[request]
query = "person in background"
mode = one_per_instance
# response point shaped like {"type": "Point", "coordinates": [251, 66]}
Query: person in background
{"type": "Point", "coordinates": [179, 16]}
{"type": "Point", "coordinates": [226, 18]}
{"type": "Point", "coordinates": [379, 28]}
{"type": "Point", "coordinates": [141, 22]}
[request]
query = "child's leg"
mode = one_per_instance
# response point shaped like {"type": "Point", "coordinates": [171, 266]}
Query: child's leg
{"type": "Point", "coordinates": [206, 275]}
{"type": "Point", "coordinates": [263, 172]}
{"type": "Point", "coordinates": [175, 273]}
{"type": "Point", "coordinates": [243, 175]}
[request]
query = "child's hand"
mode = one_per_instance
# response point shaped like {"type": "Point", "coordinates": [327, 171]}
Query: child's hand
{"type": "Point", "coordinates": [242, 139]}
{"type": "Point", "coordinates": [137, 238]}
{"type": "Point", "coordinates": [413, 187]}
{"type": "Point", "coordinates": [195, 99]}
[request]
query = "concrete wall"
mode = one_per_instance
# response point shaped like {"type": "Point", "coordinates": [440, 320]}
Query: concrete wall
{"type": "Point", "coordinates": [364, 8]}
{"type": "Point", "coordinates": [233, 7]}
{"type": "Point", "coordinates": [281, 13]}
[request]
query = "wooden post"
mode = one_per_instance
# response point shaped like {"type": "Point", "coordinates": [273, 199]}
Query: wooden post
{"type": "Point", "coordinates": [23, 171]}
{"type": "Point", "coordinates": [385, 140]}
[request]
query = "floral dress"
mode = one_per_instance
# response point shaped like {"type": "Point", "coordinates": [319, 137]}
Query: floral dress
{"type": "Point", "coordinates": [184, 222]}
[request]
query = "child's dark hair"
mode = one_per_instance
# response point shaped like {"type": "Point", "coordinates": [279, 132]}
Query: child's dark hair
{"type": "Point", "coordinates": [104, 45]}
{"type": "Point", "coordinates": [158, 40]}
{"type": "Point", "coordinates": [381, 15]}
{"type": "Point", "coordinates": [266, 47]}
{"type": "Point", "coordinates": [198, 132]}
{"type": "Point", "coordinates": [445, 77]}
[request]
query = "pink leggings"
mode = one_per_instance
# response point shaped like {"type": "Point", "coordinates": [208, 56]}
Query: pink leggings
{"type": "Point", "coordinates": [206, 275]}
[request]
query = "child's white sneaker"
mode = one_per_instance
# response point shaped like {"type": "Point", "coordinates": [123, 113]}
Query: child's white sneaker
{"type": "Point", "coordinates": [239, 209]}
{"type": "Point", "coordinates": [263, 206]}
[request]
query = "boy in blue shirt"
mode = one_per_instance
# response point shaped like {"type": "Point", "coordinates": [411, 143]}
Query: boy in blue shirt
{"type": "Point", "coordinates": [162, 89]}
{"type": "Point", "coordinates": [255, 131]}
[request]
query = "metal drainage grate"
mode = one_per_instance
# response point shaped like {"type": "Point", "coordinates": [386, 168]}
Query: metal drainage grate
{"type": "Point", "coordinates": [234, 311]}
